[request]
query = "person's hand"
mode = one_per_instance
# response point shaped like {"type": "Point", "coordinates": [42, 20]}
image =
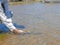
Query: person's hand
{"type": "Point", "coordinates": [16, 31]}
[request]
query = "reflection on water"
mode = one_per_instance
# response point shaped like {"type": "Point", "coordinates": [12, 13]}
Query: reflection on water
{"type": "Point", "coordinates": [43, 22]}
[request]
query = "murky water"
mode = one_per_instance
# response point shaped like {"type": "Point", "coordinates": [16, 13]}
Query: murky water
{"type": "Point", "coordinates": [42, 20]}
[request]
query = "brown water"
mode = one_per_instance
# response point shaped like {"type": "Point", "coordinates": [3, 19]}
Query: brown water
{"type": "Point", "coordinates": [42, 20]}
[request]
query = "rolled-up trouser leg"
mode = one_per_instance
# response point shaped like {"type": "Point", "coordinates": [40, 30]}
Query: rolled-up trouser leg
{"type": "Point", "coordinates": [7, 21]}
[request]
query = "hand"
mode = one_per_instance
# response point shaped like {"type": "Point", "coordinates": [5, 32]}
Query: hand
{"type": "Point", "coordinates": [16, 31]}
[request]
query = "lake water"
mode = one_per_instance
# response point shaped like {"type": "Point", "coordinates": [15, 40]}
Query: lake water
{"type": "Point", "coordinates": [41, 19]}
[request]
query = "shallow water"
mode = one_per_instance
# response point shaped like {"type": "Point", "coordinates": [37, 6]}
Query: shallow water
{"type": "Point", "coordinates": [42, 20]}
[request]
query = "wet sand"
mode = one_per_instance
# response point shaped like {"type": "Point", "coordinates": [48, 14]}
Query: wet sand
{"type": "Point", "coordinates": [42, 20]}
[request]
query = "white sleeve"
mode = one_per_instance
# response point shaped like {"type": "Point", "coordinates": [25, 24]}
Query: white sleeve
{"type": "Point", "coordinates": [7, 22]}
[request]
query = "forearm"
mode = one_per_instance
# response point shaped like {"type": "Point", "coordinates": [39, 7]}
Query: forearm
{"type": "Point", "coordinates": [7, 22]}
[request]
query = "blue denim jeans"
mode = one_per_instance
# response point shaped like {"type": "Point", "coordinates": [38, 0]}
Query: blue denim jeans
{"type": "Point", "coordinates": [3, 27]}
